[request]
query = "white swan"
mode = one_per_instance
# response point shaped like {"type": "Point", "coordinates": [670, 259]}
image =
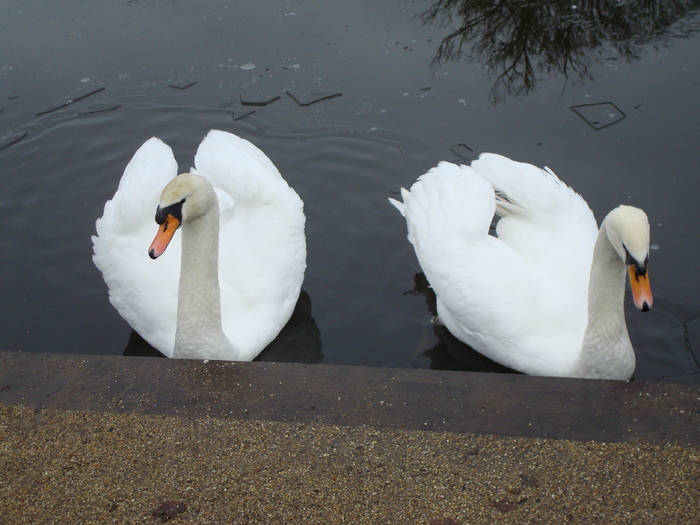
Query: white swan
{"type": "Point", "coordinates": [233, 299]}
{"type": "Point", "coordinates": [546, 296]}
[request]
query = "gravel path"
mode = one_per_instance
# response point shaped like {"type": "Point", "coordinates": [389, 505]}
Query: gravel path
{"type": "Point", "coordinates": [64, 466]}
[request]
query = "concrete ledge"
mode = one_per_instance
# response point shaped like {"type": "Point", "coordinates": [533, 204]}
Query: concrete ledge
{"type": "Point", "coordinates": [461, 402]}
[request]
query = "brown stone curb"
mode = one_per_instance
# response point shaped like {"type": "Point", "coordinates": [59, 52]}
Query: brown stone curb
{"type": "Point", "coordinates": [461, 402]}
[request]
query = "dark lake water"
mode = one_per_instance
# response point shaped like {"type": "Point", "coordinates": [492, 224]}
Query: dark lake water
{"type": "Point", "coordinates": [608, 99]}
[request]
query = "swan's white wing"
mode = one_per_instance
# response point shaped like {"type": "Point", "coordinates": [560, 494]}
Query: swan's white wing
{"type": "Point", "coordinates": [543, 218]}
{"type": "Point", "coordinates": [448, 212]}
{"type": "Point", "coordinates": [237, 167]}
{"type": "Point", "coordinates": [499, 298]}
{"type": "Point", "coordinates": [143, 291]}
{"type": "Point", "coordinates": [262, 252]}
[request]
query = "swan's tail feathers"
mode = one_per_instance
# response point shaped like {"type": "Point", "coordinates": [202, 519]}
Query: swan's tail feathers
{"type": "Point", "coordinates": [398, 204]}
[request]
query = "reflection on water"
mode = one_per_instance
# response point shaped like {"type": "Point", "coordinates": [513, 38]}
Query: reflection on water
{"type": "Point", "coordinates": [298, 342]}
{"type": "Point", "coordinates": [523, 41]}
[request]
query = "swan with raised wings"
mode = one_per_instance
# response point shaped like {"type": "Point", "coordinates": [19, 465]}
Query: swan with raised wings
{"type": "Point", "coordinates": [545, 296]}
{"type": "Point", "coordinates": [230, 281]}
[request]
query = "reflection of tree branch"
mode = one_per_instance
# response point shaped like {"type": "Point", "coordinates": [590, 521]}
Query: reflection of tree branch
{"type": "Point", "coordinates": [517, 40]}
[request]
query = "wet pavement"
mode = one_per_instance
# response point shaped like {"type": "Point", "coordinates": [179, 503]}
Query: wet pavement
{"type": "Point", "coordinates": [87, 439]}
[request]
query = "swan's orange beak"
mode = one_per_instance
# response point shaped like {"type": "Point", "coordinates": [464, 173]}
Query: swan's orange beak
{"type": "Point", "coordinates": [641, 291]}
{"type": "Point", "coordinates": [164, 236]}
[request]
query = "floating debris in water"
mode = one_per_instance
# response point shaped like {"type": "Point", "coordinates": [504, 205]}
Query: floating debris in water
{"type": "Point", "coordinates": [248, 66]}
{"type": "Point", "coordinates": [600, 115]}
{"type": "Point", "coordinates": [240, 115]}
{"type": "Point", "coordinates": [462, 151]}
{"type": "Point", "coordinates": [9, 138]}
{"type": "Point", "coordinates": [182, 83]}
{"type": "Point", "coordinates": [258, 100]}
{"type": "Point", "coordinates": [99, 107]}
{"type": "Point", "coordinates": [79, 94]}
{"type": "Point", "coordinates": [311, 98]}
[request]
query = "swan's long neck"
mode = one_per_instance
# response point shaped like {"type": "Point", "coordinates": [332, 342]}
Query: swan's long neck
{"type": "Point", "coordinates": [606, 351]}
{"type": "Point", "coordinates": [199, 333]}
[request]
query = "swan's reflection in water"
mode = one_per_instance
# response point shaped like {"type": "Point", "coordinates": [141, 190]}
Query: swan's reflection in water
{"type": "Point", "coordinates": [450, 353]}
{"type": "Point", "coordinates": [298, 342]}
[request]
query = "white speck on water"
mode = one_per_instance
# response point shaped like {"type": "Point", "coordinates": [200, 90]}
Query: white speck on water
{"type": "Point", "coordinates": [405, 94]}
{"type": "Point", "coordinates": [462, 101]}
{"type": "Point", "coordinates": [84, 80]}
{"type": "Point", "coordinates": [654, 247]}
{"type": "Point", "coordinates": [373, 128]}
{"type": "Point", "coordinates": [295, 67]}
{"type": "Point", "coordinates": [248, 66]}
{"type": "Point", "coordinates": [290, 14]}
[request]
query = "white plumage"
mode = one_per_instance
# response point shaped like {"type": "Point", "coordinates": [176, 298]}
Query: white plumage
{"type": "Point", "coordinates": [523, 298]}
{"type": "Point", "coordinates": [261, 255]}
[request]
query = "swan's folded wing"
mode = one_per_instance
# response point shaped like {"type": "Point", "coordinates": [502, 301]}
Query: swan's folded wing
{"type": "Point", "coordinates": [543, 219]}
{"type": "Point", "coordinates": [236, 166]}
{"type": "Point", "coordinates": [448, 212]}
{"type": "Point", "coordinates": [140, 289]}
{"type": "Point", "coordinates": [150, 169]}
{"type": "Point", "coordinates": [261, 270]}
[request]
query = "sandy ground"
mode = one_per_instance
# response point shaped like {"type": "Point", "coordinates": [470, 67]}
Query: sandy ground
{"type": "Point", "coordinates": [64, 466]}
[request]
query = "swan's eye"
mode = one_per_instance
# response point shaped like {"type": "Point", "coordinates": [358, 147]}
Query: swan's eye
{"type": "Point", "coordinates": [631, 261]}
{"type": "Point", "coordinates": [174, 209]}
